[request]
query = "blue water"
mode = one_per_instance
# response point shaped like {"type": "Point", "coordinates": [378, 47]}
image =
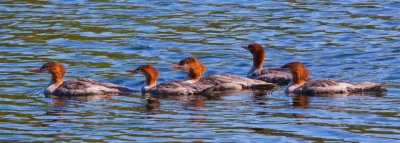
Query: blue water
{"type": "Point", "coordinates": [348, 40]}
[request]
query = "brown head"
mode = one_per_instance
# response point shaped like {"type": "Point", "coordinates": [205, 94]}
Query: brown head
{"type": "Point", "coordinates": [193, 65]}
{"type": "Point", "coordinates": [258, 54]}
{"type": "Point", "coordinates": [299, 72]}
{"type": "Point", "coordinates": [56, 70]}
{"type": "Point", "coordinates": [151, 73]}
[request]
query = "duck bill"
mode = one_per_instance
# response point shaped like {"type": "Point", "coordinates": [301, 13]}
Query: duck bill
{"type": "Point", "coordinates": [132, 71]}
{"type": "Point", "coordinates": [37, 70]}
{"type": "Point", "coordinates": [176, 67]}
{"type": "Point", "coordinates": [245, 47]}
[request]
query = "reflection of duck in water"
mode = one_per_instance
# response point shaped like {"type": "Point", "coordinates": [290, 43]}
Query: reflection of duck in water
{"type": "Point", "coordinates": [194, 83]}
{"type": "Point", "coordinates": [268, 74]}
{"type": "Point", "coordinates": [300, 85]}
{"type": "Point", "coordinates": [64, 101]}
{"type": "Point", "coordinates": [197, 113]}
{"type": "Point", "coordinates": [76, 87]}
{"type": "Point", "coordinates": [300, 101]}
{"type": "Point", "coordinates": [153, 105]}
{"type": "Point", "coordinates": [61, 100]}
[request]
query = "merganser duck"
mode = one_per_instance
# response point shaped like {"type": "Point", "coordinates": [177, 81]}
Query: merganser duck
{"type": "Point", "coordinates": [76, 87]}
{"type": "Point", "coordinates": [270, 75]}
{"type": "Point", "coordinates": [301, 85]}
{"type": "Point", "coordinates": [194, 84]}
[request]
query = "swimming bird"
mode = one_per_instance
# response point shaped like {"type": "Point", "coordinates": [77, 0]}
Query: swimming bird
{"type": "Point", "coordinates": [194, 83]}
{"type": "Point", "coordinates": [301, 85]}
{"type": "Point", "coordinates": [271, 75]}
{"type": "Point", "coordinates": [76, 87]}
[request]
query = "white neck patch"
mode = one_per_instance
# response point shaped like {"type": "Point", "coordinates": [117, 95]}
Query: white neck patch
{"type": "Point", "coordinates": [292, 86]}
{"type": "Point", "coordinates": [51, 88]}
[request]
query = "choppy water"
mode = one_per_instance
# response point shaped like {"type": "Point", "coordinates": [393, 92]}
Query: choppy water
{"type": "Point", "coordinates": [350, 40]}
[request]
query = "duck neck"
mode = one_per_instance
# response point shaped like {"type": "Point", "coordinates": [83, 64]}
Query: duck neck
{"type": "Point", "coordinates": [194, 75]}
{"type": "Point", "coordinates": [292, 86]}
{"type": "Point", "coordinates": [56, 78]}
{"type": "Point", "coordinates": [55, 82]}
{"type": "Point", "coordinates": [258, 60]}
{"type": "Point", "coordinates": [299, 76]}
{"type": "Point", "coordinates": [151, 74]}
{"type": "Point", "coordinates": [151, 81]}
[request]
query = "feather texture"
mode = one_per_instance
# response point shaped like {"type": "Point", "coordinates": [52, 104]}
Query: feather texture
{"type": "Point", "coordinates": [86, 86]}
{"type": "Point", "coordinates": [209, 85]}
{"type": "Point", "coordinates": [271, 76]}
{"type": "Point", "coordinates": [333, 86]}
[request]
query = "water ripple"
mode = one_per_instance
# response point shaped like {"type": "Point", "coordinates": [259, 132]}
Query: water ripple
{"type": "Point", "coordinates": [350, 40]}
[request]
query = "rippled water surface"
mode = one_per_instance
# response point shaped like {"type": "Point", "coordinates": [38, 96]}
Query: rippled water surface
{"type": "Point", "coordinates": [345, 39]}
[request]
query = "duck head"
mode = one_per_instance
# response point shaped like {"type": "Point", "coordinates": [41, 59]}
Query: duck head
{"type": "Point", "coordinates": [56, 70]}
{"type": "Point", "coordinates": [150, 72]}
{"type": "Point", "coordinates": [193, 66]}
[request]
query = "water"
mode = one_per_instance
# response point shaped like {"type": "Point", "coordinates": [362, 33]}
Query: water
{"type": "Point", "coordinates": [349, 40]}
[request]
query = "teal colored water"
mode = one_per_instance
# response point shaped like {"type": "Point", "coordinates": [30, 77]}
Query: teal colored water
{"type": "Point", "coordinates": [346, 39]}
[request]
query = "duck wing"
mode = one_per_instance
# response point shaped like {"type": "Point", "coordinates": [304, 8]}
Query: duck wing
{"type": "Point", "coordinates": [271, 76]}
{"type": "Point", "coordinates": [87, 86]}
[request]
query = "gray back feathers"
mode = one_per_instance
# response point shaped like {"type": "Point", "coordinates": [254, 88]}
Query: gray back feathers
{"type": "Point", "coordinates": [271, 76]}
{"type": "Point", "coordinates": [87, 86]}
{"type": "Point", "coordinates": [333, 86]}
{"type": "Point", "coordinates": [210, 84]}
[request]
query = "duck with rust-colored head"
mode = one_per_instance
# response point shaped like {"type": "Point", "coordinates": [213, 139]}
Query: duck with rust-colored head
{"type": "Point", "coordinates": [194, 82]}
{"type": "Point", "coordinates": [76, 87]}
{"type": "Point", "coordinates": [271, 75]}
{"type": "Point", "coordinates": [301, 85]}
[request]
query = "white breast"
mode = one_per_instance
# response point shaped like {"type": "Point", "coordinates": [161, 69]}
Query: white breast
{"type": "Point", "coordinates": [51, 88]}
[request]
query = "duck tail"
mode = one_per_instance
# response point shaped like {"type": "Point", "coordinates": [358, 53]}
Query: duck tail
{"type": "Point", "coordinates": [369, 87]}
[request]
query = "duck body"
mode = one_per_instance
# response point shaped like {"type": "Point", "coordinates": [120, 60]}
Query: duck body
{"type": "Point", "coordinates": [271, 75]}
{"type": "Point", "coordinates": [301, 85]}
{"type": "Point", "coordinates": [216, 83]}
{"type": "Point", "coordinates": [334, 86]}
{"type": "Point", "coordinates": [85, 86]}
{"type": "Point", "coordinates": [76, 87]}
{"type": "Point", "coordinates": [194, 83]}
